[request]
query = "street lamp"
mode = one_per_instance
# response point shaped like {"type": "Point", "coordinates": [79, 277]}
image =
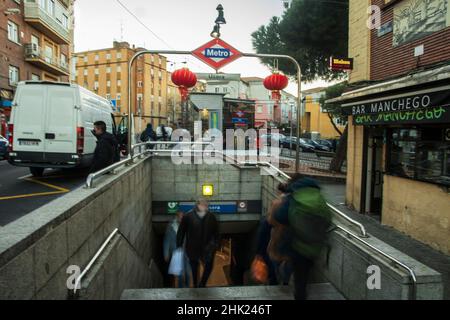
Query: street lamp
{"type": "Point", "coordinates": [216, 32]}
{"type": "Point", "coordinates": [221, 18]}
{"type": "Point", "coordinates": [219, 21]}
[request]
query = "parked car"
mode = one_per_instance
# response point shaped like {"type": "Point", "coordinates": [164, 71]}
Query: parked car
{"type": "Point", "coordinates": [304, 145]}
{"type": "Point", "coordinates": [51, 125]}
{"type": "Point", "coordinates": [266, 139]}
{"type": "Point", "coordinates": [318, 146]}
{"type": "Point", "coordinates": [3, 147]}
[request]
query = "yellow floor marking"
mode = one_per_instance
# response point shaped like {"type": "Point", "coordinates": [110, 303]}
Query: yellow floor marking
{"type": "Point", "coordinates": [60, 190]}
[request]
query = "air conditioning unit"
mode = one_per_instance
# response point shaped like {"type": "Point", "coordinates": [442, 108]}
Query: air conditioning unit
{"type": "Point", "coordinates": [32, 50]}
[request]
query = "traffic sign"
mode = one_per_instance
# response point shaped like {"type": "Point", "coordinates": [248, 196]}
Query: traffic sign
{"type": "Point", "coordinates": [217, 54]}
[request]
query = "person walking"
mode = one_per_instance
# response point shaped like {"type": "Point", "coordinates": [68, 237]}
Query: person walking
{"type": "Point", "coordinates": [200, 229]}
{"type": "Point", "coordinates": [306, 214]}
{"type": "Point", "coordinates": [107, 150]}
{"type": "Point", "coordinates": [148, 135]}
{"type": "Point", "coordinates": [170, 245]}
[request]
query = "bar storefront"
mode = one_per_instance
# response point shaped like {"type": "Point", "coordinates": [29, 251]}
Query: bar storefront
{"type": "Point", "coordinates": [399, 157]}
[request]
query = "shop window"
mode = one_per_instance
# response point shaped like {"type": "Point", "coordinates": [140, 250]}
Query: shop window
{"type": "Point", "coordinates": [420, 153]}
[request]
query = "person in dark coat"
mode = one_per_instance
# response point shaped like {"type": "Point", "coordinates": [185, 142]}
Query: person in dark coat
{"type": "Point", "coordinates": [201, 230]}
{"type": "Point", "coordinates": [149, 135]}
{"type": "Point", "coordinates": [107, 150]}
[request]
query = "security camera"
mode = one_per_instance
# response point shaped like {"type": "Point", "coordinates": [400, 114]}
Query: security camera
{"type": "Point", "coordinates": [12, 11]}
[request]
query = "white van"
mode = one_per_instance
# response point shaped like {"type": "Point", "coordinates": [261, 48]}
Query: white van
{"type": "Point", "coordinates": [51, 125]}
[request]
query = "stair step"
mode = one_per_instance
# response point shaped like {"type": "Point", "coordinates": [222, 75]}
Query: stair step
{"type": "Point", "coordinates": [322, 291]}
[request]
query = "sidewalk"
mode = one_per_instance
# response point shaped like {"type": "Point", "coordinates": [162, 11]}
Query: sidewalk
{"type": "Point", "coordinates": [335, 194]}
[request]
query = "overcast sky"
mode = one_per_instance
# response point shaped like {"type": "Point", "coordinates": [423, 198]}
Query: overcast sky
{"type": "Point", "coordinates": [181, 24]}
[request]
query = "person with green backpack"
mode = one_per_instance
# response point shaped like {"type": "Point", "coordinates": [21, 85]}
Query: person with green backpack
{"type": "Point", "coordinates": [307, 218]}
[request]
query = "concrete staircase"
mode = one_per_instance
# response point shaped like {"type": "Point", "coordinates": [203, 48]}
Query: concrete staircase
{"type": "Point", "coordinates": [322, 291]}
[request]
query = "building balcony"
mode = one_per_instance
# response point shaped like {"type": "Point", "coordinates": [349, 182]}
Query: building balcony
{"type": "Point", "coordinates": [35, 56]}
{"type": "Point", "coordinates": [41, 20]}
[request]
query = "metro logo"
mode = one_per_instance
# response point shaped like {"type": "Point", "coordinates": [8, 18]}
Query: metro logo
{"type": "Point", "coordinates": [217, 53]}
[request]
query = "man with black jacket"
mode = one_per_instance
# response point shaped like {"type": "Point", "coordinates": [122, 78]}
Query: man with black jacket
{"type": "Point", "coordinates": [106, 152]}
{"type": "Point", "coordinates": [201, 230]}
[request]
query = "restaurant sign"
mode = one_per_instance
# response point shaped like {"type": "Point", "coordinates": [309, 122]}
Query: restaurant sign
{"type": "Point", "coordinates": [422, 107]}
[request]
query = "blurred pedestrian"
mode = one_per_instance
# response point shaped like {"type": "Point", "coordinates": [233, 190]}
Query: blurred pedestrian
{"type": "Point", "coordinates": [305, 212]}
{"type": "Point", "coordinates": [170, 245]}
{"type": "Point", "coordinates": [201, 230]}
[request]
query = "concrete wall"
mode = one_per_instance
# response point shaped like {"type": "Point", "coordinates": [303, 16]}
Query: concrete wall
{"type": "Point", "coordinates": [172, 182]}
{"type": "Point", "coordinates": [425, 218]}
{"type": "Point", "coordinates": [348, 261]}
{"type": "Point", "coordinates": [36, 250]}
{"type": "Point", "coordinates": [355, 156]}
{"type": "Point", "coordinates": [359, 40]}
{"type": "Point", "coordinates": [120, 267]}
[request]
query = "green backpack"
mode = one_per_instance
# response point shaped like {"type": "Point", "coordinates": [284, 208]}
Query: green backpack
{"type": "Point", "coordinates": [309, 219]}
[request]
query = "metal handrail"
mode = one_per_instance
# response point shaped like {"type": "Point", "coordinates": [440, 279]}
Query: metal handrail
{"type": "Point", "coordinates": [90, 179]}
{"type": "Point", "coordinates": [401, 264]}
{"type": "Point", "coordinates": [93, 260]}
{"type": "Point", "coordinates": [340, 213]}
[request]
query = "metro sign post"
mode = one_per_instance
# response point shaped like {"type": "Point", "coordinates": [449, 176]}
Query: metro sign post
{"type": "Point", "coordinates": [217, 54]}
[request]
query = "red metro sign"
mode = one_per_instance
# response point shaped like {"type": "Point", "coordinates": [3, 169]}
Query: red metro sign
{"type": "Point", "coordinates": [217, 54]}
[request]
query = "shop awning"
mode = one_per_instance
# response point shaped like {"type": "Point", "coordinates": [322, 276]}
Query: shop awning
{"type": "Point", "coordinates": [420, 98]}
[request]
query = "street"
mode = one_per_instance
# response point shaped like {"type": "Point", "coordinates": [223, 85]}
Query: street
{"type": "Point", "coordinates": [20, 193]}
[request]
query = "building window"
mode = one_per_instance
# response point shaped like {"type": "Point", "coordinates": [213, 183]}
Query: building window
{"type": "Point", "coordinates": [13, 75]}
{"type": "Point", "coordinates": [85, 59]}
{"type": "Point", "coordinates": [108, 56]}
{"type": "Point", "coordinates": [97, 57]}
{"type": "Point", "coordinates": [119, 55]}
{"type": "Point", "coordinates": [419, 153]}
{"type": "Point", "coordinates": [48, 54]}
{"type": "Point", "coordinates": [35, 77]}
{"type": "Point", "coordinates": [63, 60]}
{"type": "Point", "coordinates": [108, 84]}
{"type": "Point", "coordinates": [160, 75]}
{"type": "Point", "coordinates": [96, 71]}
{"type": "Point", "coordinates": [217, 90]}
{"type": "Point", "coordinates": [108, 69]}
{"type": "Point", "coordinates": [119, 83]}
{"type": "Point", "coordinates": [139, 84]}
{"type": "Point", "coordinates": [85, 72]}
{"type": "Point", "coordinates": [65, 21]}
{"type": "Point", "coordinates": [119, 69]}
{"type": "Point", "coordinates": [119, 96]}
{"type": "Point", "coordinates": [259, 109]}
{"type": "Point", "coordinates": [13, 32]}
{"type": "Point", "coordinates": [96, 85]}
{"type": "Point", "coordinates": [51, 7]}
{"type": "Point", "coordinates": [35, 42]}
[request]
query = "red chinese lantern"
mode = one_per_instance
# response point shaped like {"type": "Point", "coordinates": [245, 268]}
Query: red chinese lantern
{"type": "Point", "coordinates": [184, 79]}
{"type": "Point", "coordinates": [276, 83]}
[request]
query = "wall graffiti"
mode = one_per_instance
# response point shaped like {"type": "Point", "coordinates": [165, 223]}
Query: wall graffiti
{"type": "Point", "coordinates": [432, 115]}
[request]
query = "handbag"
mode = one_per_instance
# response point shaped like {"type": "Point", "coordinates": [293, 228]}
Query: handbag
{"type": "Point", "coordinates": [176, 266]}
{"type": "Point", "coordinates": [260, 271]}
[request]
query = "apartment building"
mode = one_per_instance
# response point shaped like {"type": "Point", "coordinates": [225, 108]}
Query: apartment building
{"type": "Point", "coordinates": [105, 71]}
{"type": "Point", "coordinates": [315, 119]}
{"type": "Point", "coordinates": [36, 39]}
{"type": "Point", "coordinates": [252, 88]}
